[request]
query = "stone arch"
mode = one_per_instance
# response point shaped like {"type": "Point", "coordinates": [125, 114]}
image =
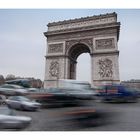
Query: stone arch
{"type": "Point", "coordinates": [73, 52]}
{"type": "Point", "coordinates": [88, 42]}
{"type": "Point", "coordinates": [77, 49]}
{"type": "Point", "coordinates": [96, 35]}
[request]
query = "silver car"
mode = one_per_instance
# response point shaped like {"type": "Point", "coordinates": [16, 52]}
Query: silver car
{"type": "Point", "coordinates": [10, 90]}
{"type": "Point", "coordinates": [9, 121]}
{"type": "Point", "coordinates": [22, 103]}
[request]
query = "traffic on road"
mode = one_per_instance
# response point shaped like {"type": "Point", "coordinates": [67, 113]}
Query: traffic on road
{"type": "Point", "coordinates": [66, 108]}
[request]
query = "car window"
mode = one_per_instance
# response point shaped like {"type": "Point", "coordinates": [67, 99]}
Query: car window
{"type": "Point", "coordinates": [14, 98]}
{"type": "Point", "coordinates": [128, 89]}
{"type": "Point", "coordinates": [21, 98]}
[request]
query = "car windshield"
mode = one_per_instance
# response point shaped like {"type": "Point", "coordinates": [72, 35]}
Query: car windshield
{"type": "Point", "coordinates": [23, 98]}
{"type": "Point", "coordinates": [130, 89]}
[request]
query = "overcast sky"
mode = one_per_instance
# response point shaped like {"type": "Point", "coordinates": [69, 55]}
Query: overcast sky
{"type": "Point", "coordinates": [23, 45]}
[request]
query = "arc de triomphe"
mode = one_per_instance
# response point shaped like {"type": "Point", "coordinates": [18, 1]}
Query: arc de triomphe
{"type": "Point", "coordinates": [96, 35]}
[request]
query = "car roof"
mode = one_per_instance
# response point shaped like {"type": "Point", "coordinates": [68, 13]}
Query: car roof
{"type": "Point", "coordinates": [12, 85]}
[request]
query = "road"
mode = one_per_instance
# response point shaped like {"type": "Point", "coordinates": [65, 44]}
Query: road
{"type": "Point", "coordinates": [122, 117]}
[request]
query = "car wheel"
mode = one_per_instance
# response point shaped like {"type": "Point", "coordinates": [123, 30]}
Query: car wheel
{"type": "Point", "coordinates": [4, 103]}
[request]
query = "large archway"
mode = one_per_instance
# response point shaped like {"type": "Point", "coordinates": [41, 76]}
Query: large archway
{"type": "Point", "coordinates": [96, 35]}
{"type": "Point", "coordinates": [83, 66]}
{"type": "Point", "coordinates": [73, 54]}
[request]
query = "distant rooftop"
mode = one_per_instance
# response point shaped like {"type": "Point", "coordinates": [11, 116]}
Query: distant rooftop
{"type": "Point", "coordinates": [132, 81]}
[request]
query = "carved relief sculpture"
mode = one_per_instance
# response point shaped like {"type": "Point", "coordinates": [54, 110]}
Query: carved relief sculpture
{"type": "Point", "coordinates": [55, 48]}
{"type": "Point", "coordinates": [105, 43]}
{"type": "Point", "coordinates": [54, 69]}
{"type": "Point", "coordinates": [105, 68]}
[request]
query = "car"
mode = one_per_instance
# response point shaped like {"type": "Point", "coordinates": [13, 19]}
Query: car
{"type": "Point", "coordinates": [116, 93]}
{"type": "Point", "coordinates": [54, 99]}
{"type": "Point", "coordinates": [61, 97]}
{"type": "Point", "coordinates": [86, 117]}
{"type": "Point", "coordinates": [21, 82]}
{"type": "Point", "coordinates": [135, 90]}
{"type": "Point", "coordinates": [22, 103]}
{"type": "Point", "coordinates": [32, 89]}
{"type": "Point", "coordinates": [82, 94]}
{"type": "Point", "coordinates": [8, 120]}
{"type": "Point", "coordinates": [10, 89]}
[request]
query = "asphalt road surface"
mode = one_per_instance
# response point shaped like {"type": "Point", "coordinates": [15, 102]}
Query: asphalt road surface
{"type": "Point", "coordinates": [119, 117]}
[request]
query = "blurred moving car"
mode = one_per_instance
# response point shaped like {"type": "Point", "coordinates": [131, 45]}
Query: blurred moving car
{"type": "Point", "coordinates": [86, 117]}
{"type": "Point", "coordinates": [22, 103]}
{"type": "Point", "coordinates": [61, 97]}
{"type": "Point", "coordinates": [116, 93]}
{"type": "Point", "coordinates": [26, 83]}
{"type": "Point", "coordinates": [32, 89]}
{"type": "Point", "coordinates": [135, 90]}
{"type": "Point", "coordinates": [69, 83]}
{"type": "Point", "coordinates": [82, 94]}
{"type": "Point", "coordinates": [54, 99]}
{"type": "Point", "coordinates": [9, 121]}
{"type": "Point", "coordinates": [9, 89]}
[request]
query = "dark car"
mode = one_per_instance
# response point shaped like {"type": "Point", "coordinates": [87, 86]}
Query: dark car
{"type": "Point", "coordinates": [21, 82]}
{"type": "Point", "coordinates": [86, 117]}
{"type": "Point", "coordinates": [116, 93]}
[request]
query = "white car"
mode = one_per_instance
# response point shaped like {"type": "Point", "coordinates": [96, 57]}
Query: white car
{"type": "Point", "coordinates": [9, 121]}
{"type": "Point", "coordinates": [22, 103]}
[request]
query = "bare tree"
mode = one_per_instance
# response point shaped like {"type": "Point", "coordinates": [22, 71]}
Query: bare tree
{"type": "Point", "coordinates": [36, 83]}
{"type": "Point", "coordinates": [2, 80]}
{"type": "Point", "coordinates": [10, 77]}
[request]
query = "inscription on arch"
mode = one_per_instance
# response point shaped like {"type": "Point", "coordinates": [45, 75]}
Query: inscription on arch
{"type": "Point", "coordinates": [55, 48]}
{"type": "Point", "coordinates": [105, 43]}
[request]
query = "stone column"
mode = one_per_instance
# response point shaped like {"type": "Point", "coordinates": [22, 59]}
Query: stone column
{"type": "Point", "coordinates": [55, 64]}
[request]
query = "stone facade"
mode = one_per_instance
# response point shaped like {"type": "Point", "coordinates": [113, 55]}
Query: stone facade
{"type": "Point", "coordinates": [96, 35]}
